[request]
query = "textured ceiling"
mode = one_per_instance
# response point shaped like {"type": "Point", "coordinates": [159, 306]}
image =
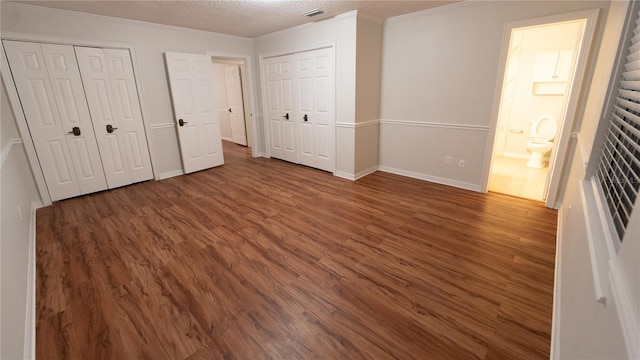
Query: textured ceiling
{"type": "Point", "coordinates": [247, 18]}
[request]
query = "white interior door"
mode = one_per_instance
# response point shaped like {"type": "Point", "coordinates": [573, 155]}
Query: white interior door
{"type": "Point", "coordinates": [236, 108]}
{"type": "Point", "coordinates": [315, 109]}
{"type": "Point", "coordinates": [280, 101]}
{"type": "Point", "coordinates": [97, 86]}
{"type": "Point", "coordinates": [191, 83]}
{"type": "Point", "coordinates": [130, 126]}
{"type": "Point", "coordinates": [72, 106]}
{"type": "Point", "coordinates": [67, 173]}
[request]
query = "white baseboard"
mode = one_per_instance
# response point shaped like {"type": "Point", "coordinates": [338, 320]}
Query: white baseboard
{"type": "Point", "coordinates": [555, 318]}
{"type": "Point", "coordinates": [170, 174]}
{"type": "Point", "coordinates": [358, 175]}
{"type": "Point", "coordinates": [29, 351]}
{"type": "Point", "coordinates": [430, 178]}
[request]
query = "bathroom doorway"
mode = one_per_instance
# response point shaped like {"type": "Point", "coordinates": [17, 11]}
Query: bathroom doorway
{"type": "Point", "coordinates": [540, 62]}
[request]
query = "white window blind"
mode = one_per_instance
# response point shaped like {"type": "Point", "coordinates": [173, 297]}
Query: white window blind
{"type": "Point", "coordinates": [618, 170]}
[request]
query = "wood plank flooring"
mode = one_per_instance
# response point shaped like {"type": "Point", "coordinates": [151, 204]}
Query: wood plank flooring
{"type": "Point", "coordinates": [263, 259]}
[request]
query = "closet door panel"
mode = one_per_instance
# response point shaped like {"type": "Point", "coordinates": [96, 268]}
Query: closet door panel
{"type": "Point", "coordinates": [106, 124]}
{"type": "Point", "coordinates": [315, 84]}
{"type": "Point", "coordinates": [39, 105]}
{"type": "Point", "coordinates": [281, 113]}
{"type": "Point", "coordinates": [72, 105]}
{"type": "Point", "coordinates": [127, 104]}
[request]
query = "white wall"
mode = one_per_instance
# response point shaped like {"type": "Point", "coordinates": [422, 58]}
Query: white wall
{"type": "Point", "coordinates": [149, 41]}
{"type": "Point", "coordinates": [439, 71]}
{"type": "Point", "coordinates": [341, 30]}
{"type": "Point", "coordinates": [583, 327]}
{"type": "Point", "coordinates": [17, 189]}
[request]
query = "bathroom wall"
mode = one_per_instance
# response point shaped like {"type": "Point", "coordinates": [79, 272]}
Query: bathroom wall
{"type": "Point", "coordinates": [519, 105]}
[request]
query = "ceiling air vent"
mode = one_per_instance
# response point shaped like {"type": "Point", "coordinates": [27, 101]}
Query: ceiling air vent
{"type": "Point", "coordinates": [313, 12]}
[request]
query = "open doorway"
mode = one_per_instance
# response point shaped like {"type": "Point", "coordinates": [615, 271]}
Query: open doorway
{"type": "Point", "coordinates": [538, 74]}
{"type": "Point", "coordinates": [231, 100]}
{"type": "Point", "coordinates": [543, 64]}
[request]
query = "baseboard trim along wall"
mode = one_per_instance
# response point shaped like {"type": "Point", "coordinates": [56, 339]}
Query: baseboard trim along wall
{"type": "Point", "coordinates": [356, 176]}
{"type": "Point", "coordinates": [30, 317]}
{"type": "Point", "coordinates": [170, 174]}
{"type": "Point", "coordinates": [555, 317]}
{"type": "Point", "coordinates": [434, 179]}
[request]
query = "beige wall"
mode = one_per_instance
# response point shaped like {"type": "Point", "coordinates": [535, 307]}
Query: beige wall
{"type": "Point", "coordinates": [368, 67]}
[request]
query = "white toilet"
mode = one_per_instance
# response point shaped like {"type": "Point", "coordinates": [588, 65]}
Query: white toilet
{"type": "Point", "coordinates": [543, 130]}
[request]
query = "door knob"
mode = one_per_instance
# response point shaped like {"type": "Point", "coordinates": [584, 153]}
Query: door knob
{"type": "Point", "coordinates": [305, 117]}
{"type": "Point", "coordinates": [182, 122]}
{"type": "Point", "coordinates": [110, 128]}
{"type": "Point", "coordinates": [286, 116]}
{"type": "Point", "coordinates": [229, 109]}
{"type": "Point", "coordinates": [75, 131]}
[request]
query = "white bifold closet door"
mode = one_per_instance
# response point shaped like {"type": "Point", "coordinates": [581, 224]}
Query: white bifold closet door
{"type": "Point", "coordinates": [109, 84]}
{"type": "Point", "coordinates": [301, 108]}
{"type": "Point", "coordinates": [50, 90]}
{"type": "Point", "coordinates": [82, 109]}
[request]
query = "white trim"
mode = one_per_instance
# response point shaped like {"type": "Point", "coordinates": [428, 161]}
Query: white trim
{"type": "Point", "coordinates": [358, 175]}
{"type": "Point", "coordinates": [624, 306]}
{"type": "Point", "coordinates": [353, 13]}
{"type": "Point", "coordinates": [170, 174]}
{"type": "Point", "coordinates": [296, 50]}
{"type": "Point", "coordinates": [162, 126]}
{"type": "Point", "coordinates": [598, 238]}
{"type": "Point", "coordinates": [118, 20]}
{"type": "Point", "coordinates": [435, 125]}
{"type": "Point", "coordinates": [7, 149]}
{"type": "Point", "coordinates": [430, 178]}
{"type": "Point", "coordinates": [431, 11]}
{"type": "Point", "coordinates": [584, 156]}
{"type": "Point", "coordinates": [357, 125]}
{"type": "Point", "coordinates": [555, 317]}
{"type": "Point", "coordinates": [29, 351]}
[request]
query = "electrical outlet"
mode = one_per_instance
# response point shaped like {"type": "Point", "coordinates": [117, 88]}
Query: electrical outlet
{"type": "Point", "coordinates": [461, 163]}
{"type": "Point", "coordinates": [447, 160]}
{"type": "Point", "coordinates": [20, 213]}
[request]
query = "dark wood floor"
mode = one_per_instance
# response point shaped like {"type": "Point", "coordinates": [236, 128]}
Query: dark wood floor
{"type": "Point", "coordinates": [263, 259]}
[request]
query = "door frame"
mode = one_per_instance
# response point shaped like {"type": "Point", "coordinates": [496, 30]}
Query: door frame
{"type": "Point", "coordinates": [251, 94]}
{"type": "Point", "coordinates": [263, 87]}
{"type": "Point", "coordinates": [21, 120]}
{"type": "Point", "coordinates": [563, 142]}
